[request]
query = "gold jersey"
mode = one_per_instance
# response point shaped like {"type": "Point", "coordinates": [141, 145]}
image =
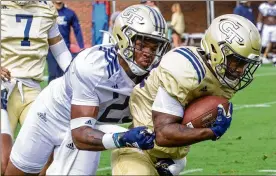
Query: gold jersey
{"type": "Point", "coordinates": [183, 74]}
{"type": "Point", "coordinates": [24, 37]}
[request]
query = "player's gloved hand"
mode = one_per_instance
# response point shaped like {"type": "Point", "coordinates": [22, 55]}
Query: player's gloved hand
{"type": "Point", "coordinates": [139, 137]}
{"type": "Point", "coordinates": [170, 167]}
{"type": "Point", "coordinates": [222, 122]}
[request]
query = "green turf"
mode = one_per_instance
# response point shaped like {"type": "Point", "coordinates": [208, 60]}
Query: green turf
{"type": "Point", "coordinates": [250, 143]}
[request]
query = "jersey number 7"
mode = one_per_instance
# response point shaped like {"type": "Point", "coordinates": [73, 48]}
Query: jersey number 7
{"type": "Point", "coordinates": [19, 17]}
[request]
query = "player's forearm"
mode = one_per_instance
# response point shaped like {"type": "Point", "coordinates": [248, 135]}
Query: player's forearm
{"type": "Point", "coordinates": [61, 54]}
{"type": "Point", "coordinates": [268, 48]}
{"type": "Point", "coordinates": [80, 39]}
{"type": "Point", "coordinates": [176, 135]}
{"type": "Point", "coordinates": [86, 138]}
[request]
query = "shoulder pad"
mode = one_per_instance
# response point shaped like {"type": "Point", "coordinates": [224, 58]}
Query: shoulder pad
{"type": "Point", "coordinates": [194, 60]}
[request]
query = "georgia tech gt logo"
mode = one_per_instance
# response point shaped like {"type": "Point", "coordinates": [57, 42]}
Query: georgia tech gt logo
{"type": "Point", "coordinates": [229, 28]}
{"type": "Point", "coordinates": [131, 15]}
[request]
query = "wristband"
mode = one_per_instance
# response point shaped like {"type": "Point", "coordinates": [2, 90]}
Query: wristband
{"type": "Point", "coordinates": [108, 141]}
{"type": "Point", "coordinates": [82, 121]}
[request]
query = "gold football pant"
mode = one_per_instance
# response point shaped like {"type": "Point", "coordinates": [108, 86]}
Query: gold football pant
{"type": "Point", "coordinates": [131, 161]}
{"type": "Point", "coordinates": [17, 110]}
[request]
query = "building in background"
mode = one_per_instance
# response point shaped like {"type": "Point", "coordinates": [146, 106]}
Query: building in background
{"type": "Point", "coordinates": [195, 13]}
{"type": "Point", "coordinates": [66, 20]}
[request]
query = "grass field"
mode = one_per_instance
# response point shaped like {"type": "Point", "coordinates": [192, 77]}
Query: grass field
{"type": "Point", "coordinates": [249, 147]}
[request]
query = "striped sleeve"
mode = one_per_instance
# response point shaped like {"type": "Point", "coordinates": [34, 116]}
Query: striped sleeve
{"type": "Point", "coordinates": [197, 65]}
{"type": "Point", "coordinates": [180, 72]}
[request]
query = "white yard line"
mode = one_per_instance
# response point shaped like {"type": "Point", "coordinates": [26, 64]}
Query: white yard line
{"type": "Point", "coordinates": [266, 74]}
{"type": "Point", "coordinates": [261, 105]}
{"type": "Point", "coordinates": [103, 169]}
{"type": "Point", "coordinates": [191, 171]}
{"type": "Point", "coordinates": [267, 171]}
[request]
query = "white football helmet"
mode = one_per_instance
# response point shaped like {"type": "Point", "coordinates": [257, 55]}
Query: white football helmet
{"type": "Point", "coordinates": [232, 38]}
{"type": "Point", "coordinates": [143, 22]}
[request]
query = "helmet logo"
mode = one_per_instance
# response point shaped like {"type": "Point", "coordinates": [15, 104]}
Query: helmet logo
{"type": "Point", "coordinates": [229, 28]}
{"type": "Point", "coordinates": [130, 15]}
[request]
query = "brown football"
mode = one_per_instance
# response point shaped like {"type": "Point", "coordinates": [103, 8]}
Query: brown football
{"type": "Point", "coordinates": [202, 112]}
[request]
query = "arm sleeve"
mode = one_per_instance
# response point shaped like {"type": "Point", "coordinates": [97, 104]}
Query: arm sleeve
{"type": "Point", "coordinates": [77, 30]}
{"type": "Point", "coordinates": [84, 81]}
{"type": "Point", "coordinates": [61, 54]}
{"type": "Point", "coordinates": [166, 104]}
{"type": "Point", "coordinates": [83, 91]}
{"type": "Point", "coordinates": [54, 31]}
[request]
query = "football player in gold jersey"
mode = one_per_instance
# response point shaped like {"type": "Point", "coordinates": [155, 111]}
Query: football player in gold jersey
{"type": "Point", "coordinates": [6, 138]}
{"type": "Point", "coordinates": [224, 64]}
{"type": "Point", "coordinates": [28, 29]}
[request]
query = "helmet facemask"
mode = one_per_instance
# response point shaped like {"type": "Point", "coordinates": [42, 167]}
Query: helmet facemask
{"type": "Point", "coordinates": [236, 71]}
{"type": "Point", "coordinates": [128, 53]}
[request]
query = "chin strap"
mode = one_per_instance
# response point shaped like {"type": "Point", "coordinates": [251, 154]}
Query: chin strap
{"type": "Point", "coordinates": [135, 69]}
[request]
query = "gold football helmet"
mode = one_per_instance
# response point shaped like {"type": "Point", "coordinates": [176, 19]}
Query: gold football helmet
{"type": "Point", "coordinates": [144, 23]}
{"type": "Point", "coordinates": [22, 3]}
{"type": "Point", "coordinates": [233, 45]}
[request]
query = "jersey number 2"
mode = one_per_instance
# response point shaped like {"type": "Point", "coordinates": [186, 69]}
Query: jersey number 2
{"type": "Point", "coordinates": [19, 17]}
{"type": "Point", "coordinates": [121, 107]}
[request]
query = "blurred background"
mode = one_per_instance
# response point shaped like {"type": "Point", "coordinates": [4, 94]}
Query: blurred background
{"type": "Point", "coordinates": [187, 22]}
{"type": "Point", "coordinates": [198, 14]}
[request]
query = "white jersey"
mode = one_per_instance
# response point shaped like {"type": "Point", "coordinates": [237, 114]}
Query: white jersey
{"type": "Point", "coordinates": [267, 9]}
{"type": "Point", "coordinates": [94, 78]}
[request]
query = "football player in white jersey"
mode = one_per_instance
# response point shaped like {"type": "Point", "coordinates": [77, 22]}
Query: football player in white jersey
{"type": "Point", "coordinates": [27, 30]}
{"type": "Point", "coordinates": [95, 90]}
{"type": "Point", "coordinates": [224, 65]}
{"type": "Point", "coordinates": [266, 24]}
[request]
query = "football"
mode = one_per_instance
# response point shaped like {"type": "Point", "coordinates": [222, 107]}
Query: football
{"type": "Point", "coordinates": [202, 112]}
